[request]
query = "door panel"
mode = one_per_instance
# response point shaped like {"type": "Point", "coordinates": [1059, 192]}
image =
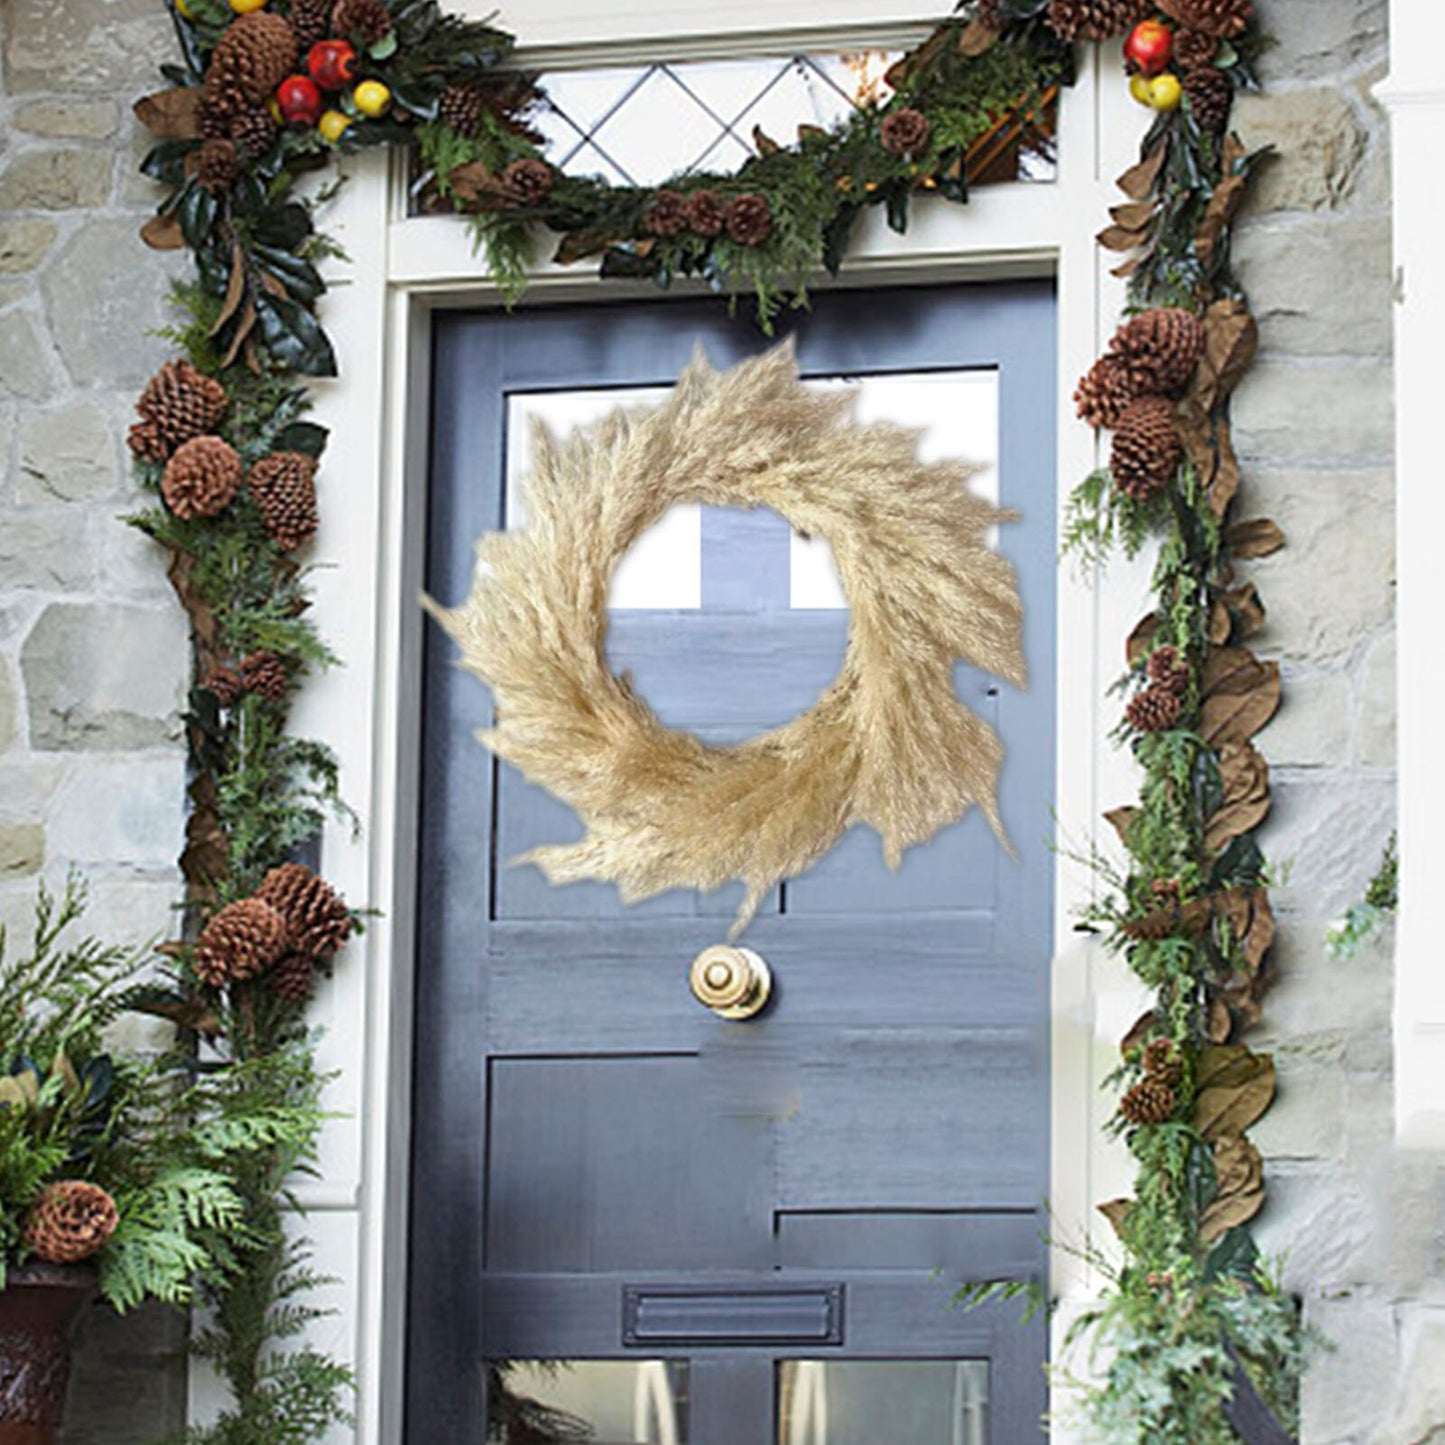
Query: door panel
{"type": "Point", "coordinates": [603, 1170]}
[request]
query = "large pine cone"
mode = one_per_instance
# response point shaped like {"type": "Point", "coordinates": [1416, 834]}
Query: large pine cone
{"type": "Point", "coordinates": [1146, 448]}
{"type": "Point", "coordinates": [265, 674]}
{"type": "Point", "coordinates": [1194, 49]}
{"type": "Point", "coordinates": [256, 53]}
{"type": "Point", "coordinates": [1105, 393]}
{"type": "Point", "coordinates": [311, 20]}
{"type": "Point", "coordinates": [1223, 18]}
{"type": "Point", "coordinates": [706, 213]}
{"type": "Point", "coordinates": [178, 403]}
{"type": "Point", "coordinates": [1095, 19]}
{"type": "Point", "coordinates": [462, 107]}
{"type": "Point", "coordinates": [1167, 668]}
{"type": "Point", "coordinates": [1160, 349]}
{"type": "Point", "coordinates": [1161, 1061]}
{"type": "Point", "coordinates": [366, 20]}
{"type": "Point", "coordinates": [253, 131]}
{"type": "Point", "coordinates": [317, 920]}
{"type": "Point", "coordinates": [283, 486]}
{"type": "Point", "coordinates": [1155, 710]}
{"type": "Point", "coordinates": [1210, 94]}
{"type": "Point", "coordinates": [529, 180]}
{"type": "Point", "coordinates": [242, 941]}
{"type": "Point", "coordinates": [71, 1221]}
{"type": "Point", "coordinates": [905, 132]}
{"type": "Point", "coordinates": [1150, 1101]}
{"type": "Point", "coordinates": [226, 685]}
{"type": "Point", "coordinates": [293, 977]}
{"type": "Point", "coordinates": [749, 219]}
{"type": "Point", "coordinates": [216, 166]}
{"type": "Point", "coordinates": [667, 215]}
{"type": "Point", "coordinates": [202, 478]}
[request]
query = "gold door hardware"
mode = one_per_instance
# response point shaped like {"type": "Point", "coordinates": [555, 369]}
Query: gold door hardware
{"type": "Point", "coordinates": [733, 982]}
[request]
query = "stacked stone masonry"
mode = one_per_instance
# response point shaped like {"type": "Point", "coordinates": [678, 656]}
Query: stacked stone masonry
{"type": "Point", "coordinates": [92, 650]}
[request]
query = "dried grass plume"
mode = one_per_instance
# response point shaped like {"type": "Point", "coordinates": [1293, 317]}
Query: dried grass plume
{"type": "Point", "coordinates": [888, 743]}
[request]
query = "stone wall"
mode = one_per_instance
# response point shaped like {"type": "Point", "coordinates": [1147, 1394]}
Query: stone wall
{"type": "Point", "coordinates": [92, 652]}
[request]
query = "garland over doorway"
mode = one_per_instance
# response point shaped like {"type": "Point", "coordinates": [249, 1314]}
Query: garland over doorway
{"type": "Point", "coordinates": [264, 92]}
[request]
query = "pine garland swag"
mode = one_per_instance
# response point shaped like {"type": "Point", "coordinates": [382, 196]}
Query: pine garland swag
{"type": "Point", "coordinates": [1191, 911]}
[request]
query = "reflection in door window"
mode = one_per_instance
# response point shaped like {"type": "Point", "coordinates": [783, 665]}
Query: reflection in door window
{"type": "Point", "coordinates": [604, 1402]}
{"type": "Point", "coordinates": [865, 1402]}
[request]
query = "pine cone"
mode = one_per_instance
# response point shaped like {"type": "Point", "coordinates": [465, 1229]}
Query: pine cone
{"type": "Point", "coordinates": [71, 1221]}
{"type": "Point", "coordinates": [283, 486]}
{"type": "Point", "coordinates": [1194, 49]}
{"type": "Point", "coordinates": [216, 166]}
{"type": "Point", "coordinates": [1105, 393]}
{"type": "Point", "coordinates": [1210, 94]}
{"type": "Point", "coordinates": [213, 121]}
{"type": "Point", "coordinates": [1167, 668]}
{"type": "Point", "coordinates": [317, 920]}
{"type": "Point", "coordinates": [1161, 1061]}
{"type": "Point", "coordinates": [1222, 18]}
{"type": "Point", "coordinates": [462, 107]}
{"type": "Point", "coordinates": [1159, 349]}
{"type": "Point", "coordinates": [529, 180]}
{"type": "Point", "coordinates": [226, 684]}
{"type": "Point", "coordinates": [366, 20]}
{"type": "Point", "coordinates": [667, 215]}
{"type": "Point", "coordinates": [905, 132]}
{"type": "Point", "coordinates": [1155, 710]}
{"type": "Point", "coordinates": [254, 131]}
{"type": "Point", "coordinates": [255, 54]}
{"type": "Point", "coordinates": [706, 213]}
{"type": "Point", "coordinates": [1150, 1101]}
{"type": "Point", "coordinates": [749, 219]}
{"type": "Point", "coordinates": [1146, 448]}
{"type": "Point", "coordinates": [265, 674]}
{"type": "Point", "coordinates": [242, 941]}
{"type": "Point", "coordinates": [311, 20]}
{"type": "Point", "coordinates": [201, 479]}
{"type": "Point", "coordinates": [1095, 19]}
{"type": "Point", "coordinates": [178, 403]}
{"type": "Point", "coordinates": [293, 977]}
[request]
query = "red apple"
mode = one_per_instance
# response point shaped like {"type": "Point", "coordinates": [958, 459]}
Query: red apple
{"type": "Point", "coordinates": [1150, 46]}
{"type": "Point", "coordinates": [332, 64]}
{"type": "Point", "coordinates": [298, 98]}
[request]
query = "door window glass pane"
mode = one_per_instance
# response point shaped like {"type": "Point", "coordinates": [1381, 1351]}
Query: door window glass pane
{"type": "Point", "coordinates": [605, 1402]}
{"type": "Point", "coordinates": [865, 1402]}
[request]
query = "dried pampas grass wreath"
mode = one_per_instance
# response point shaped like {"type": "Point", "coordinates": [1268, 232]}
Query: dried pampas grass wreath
{"type": "Point", "coordinates": [888, 744]}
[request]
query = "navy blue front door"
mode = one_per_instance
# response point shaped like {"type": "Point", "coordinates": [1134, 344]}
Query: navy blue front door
{"type": "Point", "coordinates": [732, 1233]}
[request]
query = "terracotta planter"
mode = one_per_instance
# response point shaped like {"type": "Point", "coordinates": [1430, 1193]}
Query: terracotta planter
{"type": "Point", "coordinates": [38, 1306]}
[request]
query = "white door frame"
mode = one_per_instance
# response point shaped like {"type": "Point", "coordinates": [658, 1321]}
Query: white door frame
{"type": "Point", "coordinates": [369, 551]}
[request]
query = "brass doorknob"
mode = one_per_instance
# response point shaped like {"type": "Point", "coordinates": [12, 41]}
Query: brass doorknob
{"type": "Point", "coordinates": [733, 982]}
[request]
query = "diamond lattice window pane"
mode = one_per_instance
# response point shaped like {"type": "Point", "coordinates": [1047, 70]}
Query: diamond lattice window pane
{"type": "Point", "coordinates": [729, 87]}
{"type": "Point", "coordinates": [587, 160]}
{"type": "Point", "coordinates": [586, 96]}
{"type": "Point", "coordinates": [726, 156]}
{"type": "Point", "coordinates": [659, 130]}
{"type": "Point", "coordinates": [800, 97]}
{"type": "Point", "coordinates": [560, 137]}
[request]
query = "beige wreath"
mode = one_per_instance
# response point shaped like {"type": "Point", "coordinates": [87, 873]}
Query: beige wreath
{"type": "Point", "coordinates": [888, 743]}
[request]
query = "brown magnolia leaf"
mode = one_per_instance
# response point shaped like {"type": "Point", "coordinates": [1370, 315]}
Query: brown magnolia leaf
{"type": "Point", "coordinates": [579, 245]}
{"type": "Point", "coordinates": [1139, 1031]}
{"type": "Point", "coordinates": [1138, 181]}
{"type": "Point", "coordinates": [1220, 211]}
{"type": "Point", "coordinates": [1244, 775]}
{"type": "Point", "coordinates": [163, 233]}
{"type": "Point", "coordinates": [1133, 216]}
{"type": "Point", "coordinates": [1235, 1086]}
{"type": "Point", "coordinates": [1221, 624]}
{"type": "Point", "coordinates": [1241, 694]}
{"type": "Point", "coordinates": [1258, 538]}
{"type": "Point", "coordinates": [1231, 153]}
{"type": "Point", "coordinates": [1244, 609]}
{"type": "Point", "coordinates": [1251, 920]}
{"type": "Point", "coordinates": [811, 132]}
{"type": "Point", "coordinates": [1191, 919]}
{"type": "Point", "coordinates": [1231, 338]}
{"type": "Point", "coordinates": [1117, 1211]}
{"type": "Point", "coordinates": [1239, 1171]}
{"type": "Point", "coordinates": [1127, 268]}
{"type": "Point", "coordinates": [1196, 431]}
{"type": "Point", "coordinates": [235, 289]}
{"type": "Point", "coordinates": [171, 114]}
{"type": "Point", "coordinates": [1220, 1022]}
{"type": "Point", "coordinates": [1141, 639]}
{"type": "Point", "coordinates": [1116, 238]}
{"type": "Point", "coordinates": [766, 145]}
{"type": "Point", "coordinates": [917, 59]}
{"type": "Point", "coordinates": [1121, 820]}
{"type": "Point", "coordinates": [244, 327]}
{"type": "Point", "coordinates": [977, 39]}
{"type": "Point", "coordinates": [1225, 477]}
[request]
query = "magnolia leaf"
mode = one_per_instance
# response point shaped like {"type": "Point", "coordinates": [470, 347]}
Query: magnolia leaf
{"type": "Point", "coordinates": [1220, 211]}
{"type": "Point", "coordinates": [1117, 1212]}
{"type": "Point", "coordinates": [1221, 625]}
{"type": "Point", "coordinates": [1240, 1195]}
{"type": "Point", "coordinates": [1135, 216]}
{"type": "Point", "coordinates": [244, 327]}
{"type": "Point", "coordinates": [1220, 1023]}
{"type": "Point", "coordinates": [1141, 639]}
{"type": "Point", "coordinates": [1138, 181]}
{"type": "Point", "coordinates": [811, 132]}
{"type": "Point", "coordinates": [579, 245]}
{"type": "Point", "coordinates": [1231, 337]}
{"type": "Point", "coordinates": [1224, 476]}
{"type": "Point", "coordinates": [163, 233]}
{"type": "Point", "coordinates": [1121, 820]}
{"type": "Point", "coordinates": [919, 59]}
{"type": "Point", "coordinates": [1127, 268]}
{"type": "Point", "coordinates": [1251, 920]}
{"type": "Point", "coordinates": [766, 145]}
{"type": "Point", "coordinates": [1244, 776]}
{"type": "Point", "coordinates": [1235, 1087]}
{"type": "Point", "coordinates": [1258, 538]}
{"type": "Point", "coordinates": [1235, 1256]}
{"type": "Point", "coordinates": [1241, 694]}
{"type": "Point", "coordinates": [171, 114]}
{"type": "Point", "coordinates": [1189, 919]}
{"type": "Point", "coordinates": [977, 39]}
{"type": "Point", "coordinates": [1244, 609]}
{"type": "Point", "coordinates": [1116, 238]}
{"type": "Point", "coordinates": [1139, 1031]}
{"type": "Point", "coordinates": [235, 289]}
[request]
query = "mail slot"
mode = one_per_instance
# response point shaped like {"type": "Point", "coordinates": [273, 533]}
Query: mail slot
{"type": "Point", "coordinates": [733, 1317]}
